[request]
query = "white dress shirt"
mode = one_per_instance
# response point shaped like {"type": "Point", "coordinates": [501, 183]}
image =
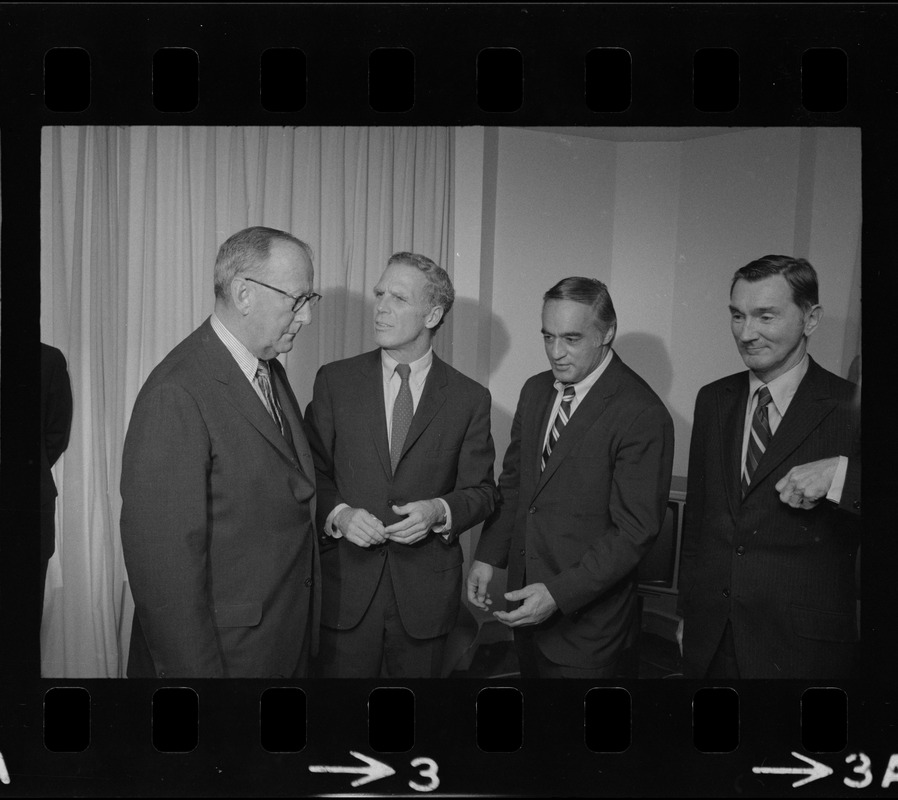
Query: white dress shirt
{"type": "Point", "coordinates": [419, 370]}
{"type": "Point", "coordinates": [580, 390]}
{"type": "Point", "coordinates": [248, 363]}
{"type": "Point", "coordinates": [782, 390]}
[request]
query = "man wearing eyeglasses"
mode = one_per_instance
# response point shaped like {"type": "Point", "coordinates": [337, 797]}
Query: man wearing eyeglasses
{"type": "Point", "coordinates": [218, 480]}
{"type": "Point", "coordinates": [404, 462]}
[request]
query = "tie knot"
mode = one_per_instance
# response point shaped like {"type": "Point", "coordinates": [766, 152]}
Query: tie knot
{"type": "Point", "coordinates": [403, 370]}
{"type": "Point", "coordinates": [568, 394]}
{"type": "Point", "coordinates": [262, 369]}
{"type": "Point", "coordinates": [763, 396]}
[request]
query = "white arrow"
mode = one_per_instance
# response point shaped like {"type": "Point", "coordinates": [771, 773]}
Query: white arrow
{"type": "Point", "coordinates": [815, 771]}
{"type": "Point", "coordinates": [373, 772]}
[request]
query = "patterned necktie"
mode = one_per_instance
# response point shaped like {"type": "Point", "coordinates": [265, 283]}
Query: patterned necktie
{"type": "Point", "coordinates": [264, 380]}
{"type": "Point", "coordinates": [759, 437]}
{"type": "Point", "coordinates": [561, 418]}
{"type": "Point", "coordinates": [403, 411]}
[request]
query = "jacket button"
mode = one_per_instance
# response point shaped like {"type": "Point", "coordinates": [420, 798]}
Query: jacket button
{"type": "Point", "coordinates": [857, 505]}
{"type": "Point", "coordinates": [308, 581]}
{"type": "Point", "coordinates": [532, 509]}
{"type": "Point", "coordinates": [740, 550]}
{"type": "Point", "coordinates": [162, 674]}
{"type": "Point", "coordinates": [383, 552]}
{"type": "Point", "coordinates": [726, 592]}
{"type": "Point", "coordinates": [523, 551]}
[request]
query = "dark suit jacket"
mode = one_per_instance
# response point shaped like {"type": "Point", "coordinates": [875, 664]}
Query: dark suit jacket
{"type": "Point", "coordinates": [582, 525]}
{"type": "Point", "coordinates": [56, 423]}
{"type": "Point", "coordinates": [784, 576]}
{"type": "Point", "coordinates": [217, 529]}
{"type": "Point", "coordinates": [448, 453]}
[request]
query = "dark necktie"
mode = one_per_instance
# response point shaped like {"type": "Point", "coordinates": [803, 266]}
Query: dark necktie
{"type": "Point", "coordinates": [403, 411]}
{"type": "Point", "coordinates": [758, 439]}
{"type": "Point", "coordinates": [264, 380]}
{"type": "Point", "coordinates": [561, 418]}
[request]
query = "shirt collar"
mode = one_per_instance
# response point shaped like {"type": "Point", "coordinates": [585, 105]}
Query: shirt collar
{"type": "Point", "coordinates": [419, 368]}
{"type": "Point", "coordinates": [583, 386]}
{"type": "Point", "coordinates": [247, 362]}
{"type": "Point", "coordinates": [782, 388]}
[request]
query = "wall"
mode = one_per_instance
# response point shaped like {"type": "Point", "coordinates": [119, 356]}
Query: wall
{"type": "Point", "coordinates": [664, 223]}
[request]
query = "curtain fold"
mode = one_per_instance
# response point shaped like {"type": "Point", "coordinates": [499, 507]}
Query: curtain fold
{"type": "Point", "coordinates": [131, 220]}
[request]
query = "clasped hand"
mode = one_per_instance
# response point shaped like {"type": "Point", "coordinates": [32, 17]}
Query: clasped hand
{"type": "Point", "coordinates": [364, 529]}
{"type": "Point", "coordinates": [806, 485]}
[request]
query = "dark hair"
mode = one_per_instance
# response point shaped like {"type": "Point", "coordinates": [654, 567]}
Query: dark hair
{"type": "Point", "coordinates": [245, 251]}
{"type": "Point", "coordinates": [590, 292]}
{"type": "Point", "coordinates": [439, 288]}
{"type": "Point", "coordinates": [799, 274]}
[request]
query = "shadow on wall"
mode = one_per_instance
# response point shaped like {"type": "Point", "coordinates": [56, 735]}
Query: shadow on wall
{"type": "Point", "coordinates": [341, 327]}
{"type": "Point", "coordinates": [480, 365]}
{"type": "Point", "coordinates": [647, 355]}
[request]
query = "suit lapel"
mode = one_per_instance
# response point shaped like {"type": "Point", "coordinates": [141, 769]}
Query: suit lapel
{"type": "Point", "coordinates": [731, 401]}
{"type": "Point", "coordinates": [290, 410]}
{"type": "Point", "coordinates": [811, 403]}
{"type": "Point", "coordinates": [432, 399]}
{"type": "Point", "coordinates": [373, 410]}
{"type": "Point", "coordinates": [584, 417]}
{"type": "Point", "coordinates": [239, 392]}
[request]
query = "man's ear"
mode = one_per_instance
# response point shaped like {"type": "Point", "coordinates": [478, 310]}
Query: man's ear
{"type": "Point", "coordinates": [609, 334]}
{"type": "Point", "coordinates": [240, 295]}
{"type": "Point", "coordinates": [812, 319]}
{"type": "Point", "coordinates": [434, 317]}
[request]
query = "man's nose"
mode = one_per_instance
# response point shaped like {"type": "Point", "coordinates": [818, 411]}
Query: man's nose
{"type": "Point", "coordinates": [304, 315]}
{"type": "Point", "coordinates": [747, 331]}
{"type": "Point", "coordinates": [557, 349]}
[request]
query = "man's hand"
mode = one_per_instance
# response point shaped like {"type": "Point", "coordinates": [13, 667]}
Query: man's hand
{"type": "Point", "coordinates": [360, 527]}
{"type": "Point", "coordinates": [806, 485]}
{"type": "Point", "coordinates": [538, 606]}
{"type": "Point", "coordinates": [421, 517]}
{"type": "Point", "coordinates": [479, 578]}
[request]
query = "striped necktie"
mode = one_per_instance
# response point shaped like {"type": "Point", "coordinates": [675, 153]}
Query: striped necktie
{"type": "Point", "coordinates": [561, 417]}
{"type": "Point", "coordinates": [264, 380]}
{"type": "Point", "coordinates": [759, 437]}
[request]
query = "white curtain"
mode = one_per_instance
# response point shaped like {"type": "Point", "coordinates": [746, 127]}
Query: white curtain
{"type": "Point", "coordinates": [131, 219]}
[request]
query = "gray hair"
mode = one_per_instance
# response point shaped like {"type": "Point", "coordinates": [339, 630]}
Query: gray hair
{"type": "Point", "coordinates": [589, 292]}
{"type": "Point", "coordinates": [799, 274]}
{"type": "Point", "coordinates": [245, 251]}
{"type": "Point", "coordinates": [440, 291]}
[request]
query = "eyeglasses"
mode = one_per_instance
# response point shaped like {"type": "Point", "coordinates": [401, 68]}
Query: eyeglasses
{"type": "Point", "coordinates": [299, 301]}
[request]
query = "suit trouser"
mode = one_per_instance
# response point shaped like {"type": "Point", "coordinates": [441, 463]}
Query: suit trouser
{"type": "Point", "coordinates": [534, 664]}
{"type": "Point", "coordinates": [379, 646]}
{"type": "Point", "coordinates": [723, 663]}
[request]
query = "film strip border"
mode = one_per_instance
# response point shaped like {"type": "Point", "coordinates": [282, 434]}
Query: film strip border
{"type": "Point", "coordinates": [677, 64]}
{"type": "Point", "coordinates": [466, 737]}
{"type": "Point", "coordinates": [456, 63]}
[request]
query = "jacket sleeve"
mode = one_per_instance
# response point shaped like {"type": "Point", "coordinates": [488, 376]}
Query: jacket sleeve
{"type": "Point", "coordinates": [640, 485]}
{"type": "Point", "coordinates": [58, 404]}
{"type": "Point", "coordinates": [474, 496]}
{"type": "Point", "coordinates": [321, 431]}
{"type": "Point", "coordinates": [165, 538]}
{"type": "Point", "coordinates": [695, 494]}
{"type": "Point", "coordinates": [495, 539]}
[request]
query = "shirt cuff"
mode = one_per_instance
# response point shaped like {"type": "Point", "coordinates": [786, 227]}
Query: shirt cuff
{"type": "Point", "coordinates": [329, 528]}
{"type": "Point", "coordinates": [446, 527]}
{"type": "Point", "coordinates": [835, 490]}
